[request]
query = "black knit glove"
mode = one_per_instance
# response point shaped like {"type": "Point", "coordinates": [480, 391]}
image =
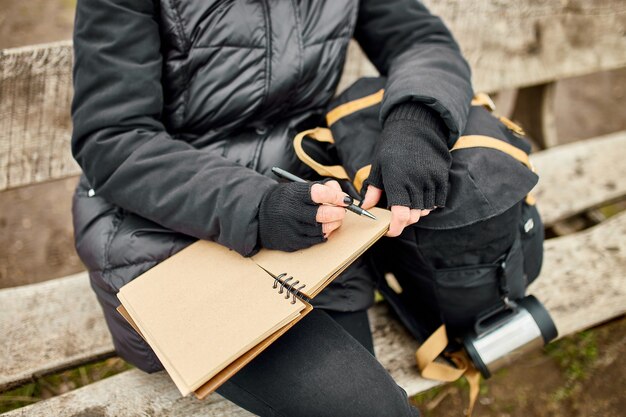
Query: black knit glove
{"type": "Point", "coordinates": [412, 159]}
{"type": "Point", "coordinates": [287, 218]}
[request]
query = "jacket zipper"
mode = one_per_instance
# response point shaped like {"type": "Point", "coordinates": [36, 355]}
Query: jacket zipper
{"type": "Point", "coordinates": [268, 49]}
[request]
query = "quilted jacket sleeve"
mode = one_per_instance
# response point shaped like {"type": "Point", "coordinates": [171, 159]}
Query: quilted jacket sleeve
{"type": "Point", "coordinates": [421, 59]}
{"type": "Point", "coordinates": [124, 149]}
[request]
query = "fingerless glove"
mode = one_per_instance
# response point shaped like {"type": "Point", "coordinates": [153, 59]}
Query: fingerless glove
{"type": "Point", "coordinates": [412, 159]}
{"type": "Point", "coordinates": [287, 218]}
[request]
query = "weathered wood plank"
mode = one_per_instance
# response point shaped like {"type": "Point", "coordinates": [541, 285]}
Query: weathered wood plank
{"type": "Point", "coordinates": [580, 291]}
{"type": "Point", "coordinates": [580, 176]}
{"type": "Point", "coordinates": [523, 43]}
{"type": "Point", "coordinates": [49, 326]}
{"type": "Point", "coordinates": [132, 393]}
{"type": "Point", "coordinates": [583, 281]}
{"type": "Point", "coordinates": [35, 96]}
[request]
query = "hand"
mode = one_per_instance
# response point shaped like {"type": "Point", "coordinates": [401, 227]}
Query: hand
{"type": "Point", "coordinates": [411, 165]}
{"type": "Point", "coordinates": [296, 215]}
{"type": "Point", "coordinates": [331, 213]}
{"type": "Point", "coordinates": [401, 216]}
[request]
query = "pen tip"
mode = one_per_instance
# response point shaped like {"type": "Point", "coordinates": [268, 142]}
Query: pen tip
{"type": "Point", "coordinates": [370, 215]}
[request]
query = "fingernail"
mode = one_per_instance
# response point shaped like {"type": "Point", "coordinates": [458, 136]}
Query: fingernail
{"type": "Point", "coordinates": [348, 200]}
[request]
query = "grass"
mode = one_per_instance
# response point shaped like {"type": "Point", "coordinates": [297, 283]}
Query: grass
{"type": "Point", "coordinates": [575, 355]}
{"type": "Point", "coordinates": [56, 384]}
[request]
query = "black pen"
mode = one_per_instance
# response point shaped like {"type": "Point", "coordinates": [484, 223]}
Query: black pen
{"type": "Point", "coordinates": [290, 177]}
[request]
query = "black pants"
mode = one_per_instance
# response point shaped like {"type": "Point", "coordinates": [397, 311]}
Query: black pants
{"type": "Point", "coordinates": [323, 366]}
{"type": "Point", "coordinates": [319, 368]}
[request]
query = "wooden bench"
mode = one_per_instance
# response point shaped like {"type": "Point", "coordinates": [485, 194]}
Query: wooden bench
{"type": "Point", "coordinates": [56, 325]}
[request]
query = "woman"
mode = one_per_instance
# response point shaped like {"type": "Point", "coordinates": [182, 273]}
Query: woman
{"type": "Point", "coordinates": [180, 110]}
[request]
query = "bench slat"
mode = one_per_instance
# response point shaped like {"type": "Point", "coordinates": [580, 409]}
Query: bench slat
{"type": "Point", "coordinates": [129, 394]}
{"type": "Point", "coordinates": [35, 128]}
{"type": "Point", "coordinates": [580, 176]}
{"type": "Point", "coordinates": [49, 326]}
{"type": "Point", "coordinates": [583, 275]}
{"type": "Point", "coordinates": [521, 43]}
{"type": "Point", "coordinates": [579, 291]}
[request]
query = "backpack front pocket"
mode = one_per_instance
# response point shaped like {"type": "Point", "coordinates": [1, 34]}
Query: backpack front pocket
{"type": "Point", "coordinates": [464, 292]}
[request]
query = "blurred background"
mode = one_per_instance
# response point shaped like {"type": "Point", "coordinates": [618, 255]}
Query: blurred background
{"type": "Point", "coordinates": [577, 376]}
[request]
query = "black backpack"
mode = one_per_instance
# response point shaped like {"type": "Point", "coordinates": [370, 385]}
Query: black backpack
{"type": "Point", "coordinates": [470, 257]}
{"type": "Point", "coordinates": [464, 263]}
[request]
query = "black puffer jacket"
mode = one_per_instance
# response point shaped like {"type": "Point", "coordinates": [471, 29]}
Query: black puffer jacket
{"type": "Point", "coordinates": [182, 106]}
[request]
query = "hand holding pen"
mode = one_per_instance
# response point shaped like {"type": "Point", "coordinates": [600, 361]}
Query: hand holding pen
{"type": "Point", "coordinates": [296, 215]}
{"type": "Point", "coordinates": [299, 214]}
{"type": "Point", "coordinates": [351, 206]}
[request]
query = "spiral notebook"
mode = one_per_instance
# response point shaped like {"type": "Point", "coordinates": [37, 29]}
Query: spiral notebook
{"type": "Point", "coordinates": [207, 311]}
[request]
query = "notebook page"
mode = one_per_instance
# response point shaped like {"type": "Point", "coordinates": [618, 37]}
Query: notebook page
{"type": "Point", "coordinates": [204, 307]}
{"type": "Point", "coordinates": [314, 266]}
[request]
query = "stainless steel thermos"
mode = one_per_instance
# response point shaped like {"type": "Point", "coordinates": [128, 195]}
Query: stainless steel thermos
{"type": "Point", "coordinates": [524, 326]}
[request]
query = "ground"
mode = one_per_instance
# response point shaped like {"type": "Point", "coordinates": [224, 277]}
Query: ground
{"type": "Point", "coordinates": [580, 376]}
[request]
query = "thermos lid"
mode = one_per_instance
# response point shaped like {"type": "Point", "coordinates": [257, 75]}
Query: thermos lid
{"type": "Point", "coordinates": [541, 316]}
{"type": "Point", "coordinates": [475, 358]}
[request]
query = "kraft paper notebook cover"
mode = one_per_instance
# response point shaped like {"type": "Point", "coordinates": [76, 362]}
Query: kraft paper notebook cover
{"type": "Point", "coordinates": [207, 311]}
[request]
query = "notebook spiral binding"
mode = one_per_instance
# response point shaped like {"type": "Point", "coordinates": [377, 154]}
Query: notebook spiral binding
{"type": "Point", "coordinates": [290, 288]}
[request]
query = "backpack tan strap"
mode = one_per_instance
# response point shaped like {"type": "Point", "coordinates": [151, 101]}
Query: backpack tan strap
{"type": "Point", "coordinates": [434, 346]}
{"type": "Point", "coordinates": [325, 135]}
{"type": "Point", "coordinates": [354, 106]}
{"type": "Point", "coordinates": [475, 141]}
{"type": "Point", "coordinates": [360, 176]}
{"type": "Point", "coordinates": [319, 134]}
{"type": "Point", "coordinates": [429, 351]}
{"type": "Point", "coordinates": [483, 99]}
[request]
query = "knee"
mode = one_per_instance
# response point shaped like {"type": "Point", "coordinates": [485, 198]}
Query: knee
{"type": "Point", "coordinates": [392, 401]}
{"type": "Point", "coordinates": [358, 393]}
